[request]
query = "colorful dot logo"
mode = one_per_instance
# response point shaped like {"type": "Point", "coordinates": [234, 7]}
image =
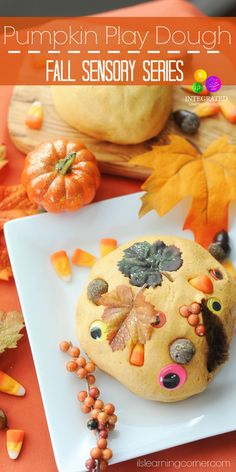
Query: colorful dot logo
{"type": "Point", "coordinates": [212, 83]}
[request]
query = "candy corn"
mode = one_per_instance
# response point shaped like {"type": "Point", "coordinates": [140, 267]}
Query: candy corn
{"type": "Point", "coordinates": [10, 386]}
{"type": "Point", "coordinates": [228, 265]}
{"type": "Point", "coordinates": [107, 245]}
{"type": "Point", "coordinates": [82, 258]}
{"type": "Point", "coordinates": [228, 109]}
{"type": "Point", "coordinates": [137, 355]}
{"type": "Point", "coordinates": [61, 265]}
{"type": "Point", "coordinates": [189, 88]}
{"type": "Point", "coordinates": [207, 109]}
{"type": "Point", "coordinates": [202, 283]}
{"type": "Point", "coordinates": [15, 438]}
{"type": "Point", "coordinates": [34, 118]}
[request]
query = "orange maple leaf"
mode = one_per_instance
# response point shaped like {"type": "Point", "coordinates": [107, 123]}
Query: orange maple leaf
{"type": "Point", "coordinates": [179, 170]}
{"type": "Point", "coordinates": [14, 203]}
{"type": "Point", "coordinates": [5, 266]}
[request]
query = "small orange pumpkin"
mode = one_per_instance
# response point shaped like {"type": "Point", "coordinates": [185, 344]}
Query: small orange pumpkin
{"type": "Point", "coordinates": [61, 176]}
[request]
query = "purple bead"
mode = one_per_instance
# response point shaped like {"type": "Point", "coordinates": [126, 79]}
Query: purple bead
{"type": "Point", "coordinates": [213, 83]}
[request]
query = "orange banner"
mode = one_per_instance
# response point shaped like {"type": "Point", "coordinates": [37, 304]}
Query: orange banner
{"type": "Point", "coordinates": [92, 51]}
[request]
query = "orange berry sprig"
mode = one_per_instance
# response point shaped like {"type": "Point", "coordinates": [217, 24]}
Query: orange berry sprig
{"type": "Point", "coordinates": [102, 416]}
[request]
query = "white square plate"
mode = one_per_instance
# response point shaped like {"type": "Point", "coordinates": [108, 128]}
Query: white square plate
{"type": "Point", "coordinates": [49, 309]}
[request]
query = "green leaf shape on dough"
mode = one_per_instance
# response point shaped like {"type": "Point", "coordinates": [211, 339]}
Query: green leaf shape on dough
{"type": "Point", "coordinates": [145, 263]}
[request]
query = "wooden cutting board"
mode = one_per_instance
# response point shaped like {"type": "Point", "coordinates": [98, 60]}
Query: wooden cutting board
{"type": "Point", "coordinates": [113, 158]}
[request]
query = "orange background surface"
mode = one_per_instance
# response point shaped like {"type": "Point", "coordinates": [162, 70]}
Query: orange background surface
{"type": "Point", "coordinates": [27, 412]}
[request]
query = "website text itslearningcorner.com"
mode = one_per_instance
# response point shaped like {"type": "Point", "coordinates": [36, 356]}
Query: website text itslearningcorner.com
{"type": "Point", "coordinates": [184, 464]}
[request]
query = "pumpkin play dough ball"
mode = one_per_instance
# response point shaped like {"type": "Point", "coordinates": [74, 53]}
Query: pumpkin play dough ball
{"type": "Point", "coordinates": [61, 175]}
{"type": "Point", "coordinates": [122, 114]}
{"type": "Point", "coordinates": [141, 330]}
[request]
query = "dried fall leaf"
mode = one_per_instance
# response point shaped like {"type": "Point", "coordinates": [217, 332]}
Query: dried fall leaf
{"type": "Point", "coordinates": [14, 197]}
{"type": "Point", "coordinates": [179, 170]}
{"type": "Point", "coordinates": [128, 317]}
{"type": "Point", "coordinates": [14, 203]}
{"type": "Point", "coordinates": [10, 326]}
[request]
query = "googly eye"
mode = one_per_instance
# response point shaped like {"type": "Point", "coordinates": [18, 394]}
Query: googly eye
{"type": "Point", "coordinates": [216, 274]}
{"type": "Point", "coordinates": [160, 320]}
{"type": "Point", "coordinates": [214, 305]}
{"type": "Point", "coordinates": [172, 377]}
{"type": "Point", "coordinates": [98, 331]}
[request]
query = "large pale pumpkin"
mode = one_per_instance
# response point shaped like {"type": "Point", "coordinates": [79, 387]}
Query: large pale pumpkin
{"type": "Point", "coordinates": [122, 114]}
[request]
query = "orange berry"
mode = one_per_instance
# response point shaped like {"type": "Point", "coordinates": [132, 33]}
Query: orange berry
{"type": "Point", "coordinates": [89, 401]}
{"type": "Point", "coordinates": [94, 413]}
{"type": "Point", "coordinates": [64, 346]}
{"type": "Point", "coordinates": [82, 395]}
{"type": "Point", "coordinates": [195, 308]}
{"type": "Point", "coordinates": [90, 378]}
{"type": "Point", "coordinates": [90, 464]}
{"type": "Point", "coordinates": [184, 311]}
{"type": "Point", "coordinates": [90, 367]}
{"type": "Point", "coordinates": [96, 453]}
{"type": "Point", "coordinates": [99, 404]}
{"type": "Point", "coordinates": [102, 417]}
{"type": "Point", "coordinates": [107, 454]}
{"type": "Point", "coordinates": [103, 465]}
{"type": "Point", "coordinates": [81, 361]}
{"type": "Point", "coordinates": [94, 392]}
{"type": "Point", "coordinates": [74, 351]}
{"type": "Point", "coordinates": [71, 366]}
{"type": "Point", "coordinates": [112, 419]}
{"type": "Point", "coordinates": [102, 443]}
{"type": "Point", "coordinates": [103, 433]}
{"type": "Point", "coordinates": [193, 320]}
{"type": "Point", "coordinates": [110, 427]}
{"type": "Point", "coordinates": [200, 330]}
{"type": "Point", "coordinates": [109, 408]}
{"type": "Point", "coordinates": [85, 409]}
{"type": "Point", "coordinates": [81, 372]}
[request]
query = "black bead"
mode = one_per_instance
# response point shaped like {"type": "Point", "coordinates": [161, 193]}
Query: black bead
{"type": "Point", "coordinates": [92, 424]}
{"type": "Point", "coordinates": [171, 380]}
{"type": "Point", "coordinates": [217, 251]}
{"type": "Point", "coordinates": [222, 238]}
{"type": "Point", "coordinates": [188, 122]}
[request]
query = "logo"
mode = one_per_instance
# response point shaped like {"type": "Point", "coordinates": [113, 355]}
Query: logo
{"type": "Point", "coordinates": [212, 83]}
